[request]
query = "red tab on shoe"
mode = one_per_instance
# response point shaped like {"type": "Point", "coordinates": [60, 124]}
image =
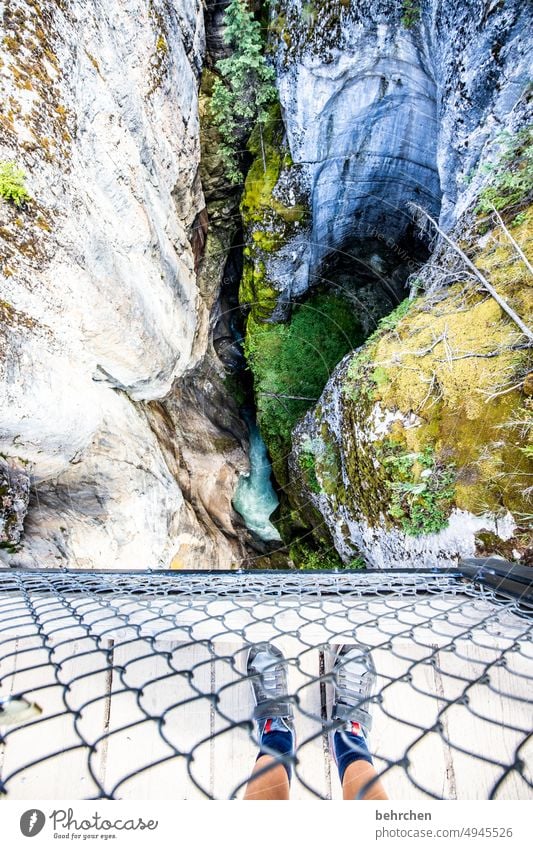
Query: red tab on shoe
{"type": "Point", "coordinates": [356, 728]}
{"type": "Point", "coordinates": [268, 726]}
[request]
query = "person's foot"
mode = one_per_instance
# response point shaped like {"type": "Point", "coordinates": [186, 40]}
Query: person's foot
{"type": "Point", "coordinates": [267, 670]}
{"type": "Point", "coordinates": [354, 680]}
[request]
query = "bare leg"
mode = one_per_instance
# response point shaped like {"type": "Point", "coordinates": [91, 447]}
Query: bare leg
{"type": "Point", "coordinates": [267, 670]}
{"type": "Point", "coordinates": [272, 784]}
{"type": "Point", "coordinates": [357, 775]}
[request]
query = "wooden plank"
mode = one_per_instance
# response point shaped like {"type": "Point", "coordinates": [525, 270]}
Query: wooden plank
{"type": "Point", "coordinates": [490, 725]}
{"type": "Point", "coordinates": [48, 759]}
{"type": "Point", "coordinates": [157, 716]}
{"type": "Point", "coordinates": [234, 750]}
{"type": "Point", "coordinates": [312, 775]}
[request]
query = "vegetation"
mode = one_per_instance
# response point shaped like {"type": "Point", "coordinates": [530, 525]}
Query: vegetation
{"type": "Point", "coordinates": [12, 184]}
{"type": "Point", "coordinates": [449, 379]}
{"type": "Point", "coordinates": [410, 13]}
{"type": "Point", "coordinates": [292, 362]}
{"type": "Point", "coordinates": [307, 465]}
{"type": "Point", "coordinates": [421, 489]}
{"type": "Point", "coordinates": [245, 90]}
{"type": "Point", "coordinates": [313, 559]}
{"type": "Point", "coordinates": [512, 175]}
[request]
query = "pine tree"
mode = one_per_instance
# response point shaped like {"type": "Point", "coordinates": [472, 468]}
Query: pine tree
{"type": "Point", "coordinates": [243, 92]}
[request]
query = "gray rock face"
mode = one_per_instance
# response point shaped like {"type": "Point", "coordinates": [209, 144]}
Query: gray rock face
{"type": "Point", "coordinates": [101, 309]}
{"type": "Point", "coordinates": [379, 114]}
{"type": "Point", "coordinates": [364, 123]}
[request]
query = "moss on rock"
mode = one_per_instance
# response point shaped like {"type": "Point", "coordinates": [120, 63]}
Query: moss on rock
{"type": "Point", "coordinates": [269, 221]}
{"type": "Point", "coordinates": [436, 412]}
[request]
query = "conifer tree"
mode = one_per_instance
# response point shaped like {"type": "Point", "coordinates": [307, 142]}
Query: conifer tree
{"type": "Point", "coordinates": [243, 92]}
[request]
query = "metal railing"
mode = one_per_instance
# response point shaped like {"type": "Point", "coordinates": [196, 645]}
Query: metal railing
{"type": "Point", "coordinates": [134, 685]}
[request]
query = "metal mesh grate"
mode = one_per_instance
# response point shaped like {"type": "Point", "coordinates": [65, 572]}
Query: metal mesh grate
{"type": "Point", "coordinates": [141, 688]}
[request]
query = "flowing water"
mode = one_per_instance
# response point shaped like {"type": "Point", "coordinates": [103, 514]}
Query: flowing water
{"type": "Point", "coordinates": [255, 499]}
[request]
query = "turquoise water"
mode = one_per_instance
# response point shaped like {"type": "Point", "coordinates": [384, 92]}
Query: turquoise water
{"type": "Point", "coordinates": [255, 499]}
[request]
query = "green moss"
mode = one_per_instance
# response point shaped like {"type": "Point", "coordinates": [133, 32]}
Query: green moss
{"type": "Point", "coordinates": [446, 377]}
{"type": "Point", "coordinates": [161, 45]}
{"type": "Point", "coordinates": [410, 13]}
{"type": "Point", "coordinates": [259, 206]}
{"type": "Point", "coordinates": [316, 26]}
{"type": "Point", "coordinates": [292, 362]}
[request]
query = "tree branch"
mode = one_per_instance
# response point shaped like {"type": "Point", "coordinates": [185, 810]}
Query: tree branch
{"type": "Point", "coordinates": [484, 282]}
{"type": "Point", "coordinates": [279, 395]}
{"type": "Point", "coordinates": [514, 243]}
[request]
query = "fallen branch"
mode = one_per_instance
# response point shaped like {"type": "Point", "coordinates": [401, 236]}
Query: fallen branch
{"type": "Point", "coordinates": [496, 353]}
{"type": "Point", "coordinates": [485, 283]}
{"type": "Point", "coordinates": [514, 243]}
{"type": "Point", "coordinates": [504, 391]}
{"type": "Point", "coordinates": [279, 396]}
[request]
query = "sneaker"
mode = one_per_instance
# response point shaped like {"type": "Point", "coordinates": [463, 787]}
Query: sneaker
{"type": "Point", "coordinates": [267, 670]}
{"type": "Point", "coordinates": [354, 681]}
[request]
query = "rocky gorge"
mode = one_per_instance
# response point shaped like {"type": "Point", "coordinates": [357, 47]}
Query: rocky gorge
{"type": "Point", "coordinates": [152, 307]}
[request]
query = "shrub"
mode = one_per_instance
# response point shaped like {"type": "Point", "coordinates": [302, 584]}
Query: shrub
{"type": "Point", "coordinates": [421, 489]}
{"type": "Point", "coordinates": [512, 175]}
{"type": "Point", "coordinates": [12, 184]}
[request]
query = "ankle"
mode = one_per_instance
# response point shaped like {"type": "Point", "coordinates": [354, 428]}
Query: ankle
{"type": "Point", "coordinates": [350, 745]}
{"type": "Point", "coordinates": [277, 739]}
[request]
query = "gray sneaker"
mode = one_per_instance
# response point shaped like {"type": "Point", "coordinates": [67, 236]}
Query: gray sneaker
{"type": "Point", "coordinates": [354, 681]}
{"type": "Point", "coordinates": [267, 670]}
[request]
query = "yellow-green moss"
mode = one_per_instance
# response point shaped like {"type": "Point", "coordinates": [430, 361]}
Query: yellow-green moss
{"type": "Point", "coordinates": [268, 223]}
{"type": "Point", "coordinates": [458, 364]}
{"type": "Point", "coordinates": [257, 293]}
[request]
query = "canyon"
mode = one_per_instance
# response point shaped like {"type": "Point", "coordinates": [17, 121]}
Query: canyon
{"type": "Point", "coordinates": [148, 303]}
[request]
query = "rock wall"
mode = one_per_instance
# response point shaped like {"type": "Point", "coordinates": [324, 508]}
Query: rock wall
{"type": "Point", "coordinates": [102, 311]}
{"type": "Point", "coordinates": [381, 109]}
{"type": "Point", "coordinates": [384, 104]}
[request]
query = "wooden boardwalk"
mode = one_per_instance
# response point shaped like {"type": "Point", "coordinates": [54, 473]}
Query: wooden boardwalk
{"type": "Point", "coordinates": [151, 701]}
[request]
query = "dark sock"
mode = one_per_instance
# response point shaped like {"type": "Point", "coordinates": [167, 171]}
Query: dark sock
{"type": "Point", "coordinates": [349, 748]}
{"type": "Point", "coordinates": [277, 742]}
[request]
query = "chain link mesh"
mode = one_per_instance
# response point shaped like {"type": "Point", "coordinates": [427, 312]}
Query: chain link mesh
{"type": "Point", "coordinates": [130, 686]}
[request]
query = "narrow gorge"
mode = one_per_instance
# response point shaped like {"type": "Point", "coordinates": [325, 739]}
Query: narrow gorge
{"type": "Point", "coordinates": [291, 335]}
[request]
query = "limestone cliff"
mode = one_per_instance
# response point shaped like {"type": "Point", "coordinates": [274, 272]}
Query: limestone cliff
{"type": "Point", "coordinates": [407, 458]}
{"type": "Point", "coordinates": [121, 440]}
{"type": "Point", "coordinates": [102, 312]}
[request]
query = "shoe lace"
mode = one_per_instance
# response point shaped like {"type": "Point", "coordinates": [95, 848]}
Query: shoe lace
{"type": "Point", "coordinates": [351, 682]}
{"type": "Point", "coordinates": [272, 678]}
